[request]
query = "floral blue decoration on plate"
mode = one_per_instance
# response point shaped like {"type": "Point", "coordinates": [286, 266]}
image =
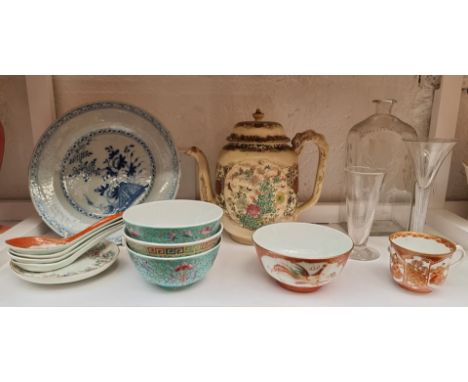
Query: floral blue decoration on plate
{"type": "Point", "coordinates": [99, 159]}
{"type": "Point", "coordinates": [121, 175]}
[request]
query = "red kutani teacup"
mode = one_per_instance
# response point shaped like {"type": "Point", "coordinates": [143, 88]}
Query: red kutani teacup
{"type": "Point", "coordinates": [421, 261]}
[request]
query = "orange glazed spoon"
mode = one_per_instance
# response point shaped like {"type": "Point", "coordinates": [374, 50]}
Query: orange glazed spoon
{"type": "Point", "coordinates": [43, 244]}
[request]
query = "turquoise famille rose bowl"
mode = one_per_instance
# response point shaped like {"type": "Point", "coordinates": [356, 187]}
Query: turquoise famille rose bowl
{"type": "Point", "coordinates": [173, 249]}
{"type": "Point", "coordinates": [172, 221]}
{"type": "Point", "coordinates": [170, 272]}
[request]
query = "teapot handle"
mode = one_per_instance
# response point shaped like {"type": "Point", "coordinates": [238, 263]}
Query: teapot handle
{"type": "Point", "coordinates": [297, 144]}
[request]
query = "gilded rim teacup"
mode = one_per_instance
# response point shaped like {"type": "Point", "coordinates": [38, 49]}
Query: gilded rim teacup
{"type": "Point", "coordinates": [174, 272]}
{"type": "Point", "coordinates": [172, 221]}
{"type": "Point", "coordinates": [421, 261]}
{"type": "Point", "coordinates": [302, 257]}
{"type": "Point", "coordinates": [173, 250]}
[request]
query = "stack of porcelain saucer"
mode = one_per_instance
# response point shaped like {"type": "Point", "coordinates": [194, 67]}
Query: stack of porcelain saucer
{"type": "Point", "coordinates": [48, 260]}
{"type": "Point", "coordinates": [173, 243]}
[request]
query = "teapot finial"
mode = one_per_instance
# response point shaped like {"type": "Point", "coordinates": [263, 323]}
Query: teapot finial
{"type": "Point", "coordinates": [258, 115]}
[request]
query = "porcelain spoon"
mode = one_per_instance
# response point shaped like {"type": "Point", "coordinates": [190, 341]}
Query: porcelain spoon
{"type": "Point", "coordinates": [55, 255]}
{"type": "Point", "coordinates": [62, 255]}
{"type": "Point", "coordinates": [70, 259]}
{"type": "Point", "coordinates": [46, 245]}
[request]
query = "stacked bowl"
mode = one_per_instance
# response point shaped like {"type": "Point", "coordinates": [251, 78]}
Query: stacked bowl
{"type": "Point", "coordinates": [173, 243]}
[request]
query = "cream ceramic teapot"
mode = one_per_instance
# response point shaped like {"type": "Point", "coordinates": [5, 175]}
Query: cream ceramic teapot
{"type": "Point", "coordinates": [257, 176]}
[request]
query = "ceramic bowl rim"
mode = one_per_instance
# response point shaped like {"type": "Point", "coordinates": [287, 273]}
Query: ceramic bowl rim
{"type": "Point", "coordinates": [128, 211]}
{"type": "Point", "coordinates": [393, 236]}
{"type": "Point", "coordinates": [174, 245]}
{"type": "Point", "coordinates": [321, 258]}
{"type": "Point", "coordinates": [215, 248]}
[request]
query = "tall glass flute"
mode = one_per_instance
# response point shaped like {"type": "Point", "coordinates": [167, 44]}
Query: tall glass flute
{"type": "Point", "coordinates": [428, 155]}
{"type": "Point", "coordinates": [363, 186]}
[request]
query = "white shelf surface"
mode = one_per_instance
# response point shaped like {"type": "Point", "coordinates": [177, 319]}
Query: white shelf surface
{"type": "Point", "coordinates": [236, 279]}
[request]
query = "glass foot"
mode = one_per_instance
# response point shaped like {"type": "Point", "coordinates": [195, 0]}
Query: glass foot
{"type": "Point", "coordinates": [364, 254]}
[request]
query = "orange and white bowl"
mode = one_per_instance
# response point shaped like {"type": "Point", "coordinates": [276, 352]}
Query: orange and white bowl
{"type": "Point", "coordinates": [302, 257]}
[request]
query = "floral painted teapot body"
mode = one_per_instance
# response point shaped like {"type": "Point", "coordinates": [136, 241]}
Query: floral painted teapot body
{"type": "Point", "coordinates": [257, 176]}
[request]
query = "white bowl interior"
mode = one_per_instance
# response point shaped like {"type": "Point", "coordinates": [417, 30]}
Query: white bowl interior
{"type": "Point", "coordinates": [303, 240]}
{"type": "Point", "coordinates": [177, 213]}
{"type": "Point", "coordinates": [422, 245]}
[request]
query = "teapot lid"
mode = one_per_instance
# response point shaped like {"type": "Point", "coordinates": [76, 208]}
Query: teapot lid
{"type": "Point", "coordinates": [259, 129]}
{"type": "Point", "coordinates": [258, 121]}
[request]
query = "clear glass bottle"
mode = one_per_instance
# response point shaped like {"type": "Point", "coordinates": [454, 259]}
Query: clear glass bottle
{"type": "Point", "coordinates": [377, 142]}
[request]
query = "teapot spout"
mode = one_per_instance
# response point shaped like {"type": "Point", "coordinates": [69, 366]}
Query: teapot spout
{"type": "Point", "coordinates": [204, 181]}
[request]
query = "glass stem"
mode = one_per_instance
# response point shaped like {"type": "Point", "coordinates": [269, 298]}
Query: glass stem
{"type": "Point", "coordinates": [418, 219]}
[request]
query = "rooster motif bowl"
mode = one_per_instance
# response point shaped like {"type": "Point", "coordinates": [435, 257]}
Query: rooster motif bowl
{"type": "Point", "coordinates": [302, 257]}
{"type": "Point", "coordinates": [173, 272]}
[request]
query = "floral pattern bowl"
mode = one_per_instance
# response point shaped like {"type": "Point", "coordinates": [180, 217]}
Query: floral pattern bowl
{"type": "Point", "coordinates": [302, 257]}
{"type": "Point", "coordinates": [172, 221]}
{"type": "Point", "coordinates": [175, 272]}
{"type": "Point", "coordinates": [173, 249]}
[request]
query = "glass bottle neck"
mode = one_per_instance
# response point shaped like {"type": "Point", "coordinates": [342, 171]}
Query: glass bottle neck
{"type": "Point", "coordinates": [383, 106]}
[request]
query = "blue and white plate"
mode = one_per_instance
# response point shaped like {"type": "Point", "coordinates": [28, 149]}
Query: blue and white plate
{"type": "Point", "coordinates": [99, 159]}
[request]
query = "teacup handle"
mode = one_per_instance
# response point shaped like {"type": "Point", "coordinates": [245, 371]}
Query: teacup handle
{"type": "Point", "coordinates": [462, 253]}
